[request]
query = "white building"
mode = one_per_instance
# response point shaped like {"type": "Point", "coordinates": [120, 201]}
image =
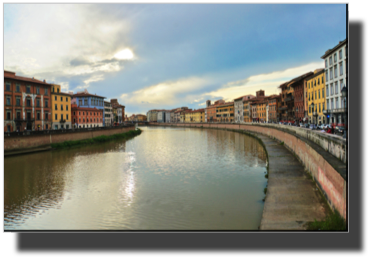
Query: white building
{"type": "Point", "coordinates": [239, 107]}
{"type": "Point", "coordinates": [336, 78]}
{"type": "Point", "coordinates": [161, 116]}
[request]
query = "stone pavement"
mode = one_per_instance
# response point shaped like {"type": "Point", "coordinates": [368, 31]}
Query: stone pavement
{"type": "Point", "coordinates": [292, 197]}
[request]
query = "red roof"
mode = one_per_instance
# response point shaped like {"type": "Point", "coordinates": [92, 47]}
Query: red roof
{"type": "Point", "coordinates": [12, 75]}
{"type": "Point", "coordinates": [87, 95]}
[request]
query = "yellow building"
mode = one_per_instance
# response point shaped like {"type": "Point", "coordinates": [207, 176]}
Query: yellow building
{"type": "Point", "coordinates": [188, 116]}
{"type": "Point", "coordinates": [60, 108]}
{"type": "Point", "coordinates": [197, 116]}
{"type": "Point", "coordinates": [316, 97]}
{"type": "Point", "coordinates": [225, 112]}
{"type": "Point", "coordinates": [262, 111]}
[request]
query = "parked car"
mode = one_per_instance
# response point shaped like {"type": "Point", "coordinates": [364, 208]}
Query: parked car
{"type": "Point", "coordinates": [339, 130]}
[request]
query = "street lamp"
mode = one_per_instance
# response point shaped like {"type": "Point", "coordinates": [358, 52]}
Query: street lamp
{"type": "Point", "coordinates": [344, 95]}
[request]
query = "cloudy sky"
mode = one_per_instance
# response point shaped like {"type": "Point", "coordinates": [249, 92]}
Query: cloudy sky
{"type": "Point", "coordinates": [169, 55]}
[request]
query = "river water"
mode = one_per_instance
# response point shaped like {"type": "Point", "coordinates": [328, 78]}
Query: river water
{"type": "Point", "coordinates": [164, 179]}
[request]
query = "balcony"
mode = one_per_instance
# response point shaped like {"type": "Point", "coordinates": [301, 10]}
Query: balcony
{"type": "Point", "coordinates": [326, 111]}
{"type": "Point", "coordinates": [62, 121]}
{"type": "Point", "coordinates": [339, 110]}
{"type": "Point", "coordinates": [21, 120]}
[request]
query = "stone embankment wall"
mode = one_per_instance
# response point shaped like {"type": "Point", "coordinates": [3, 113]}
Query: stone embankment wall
{"type": "Point", "coordinates": [311, 148]}
{"type": "Point", "coordinates": [12, 143]}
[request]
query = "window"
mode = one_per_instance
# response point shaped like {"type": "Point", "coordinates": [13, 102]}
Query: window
{"type": "Point", "coordinates": [319, 107]}
{"type": "Point", "coordinates": [18, 115]}
{"type": "Point", "coordinates": [327, 75]}
{"type": "Point", "coordinates": [341, 84]}
{"type": "Point", "coordinates": [340, 54]}
{"type": "Point", "coordinates": [332, 89]}
{"type": "Point", "coordinates": [28, 102]}
{"type": "Point", "coordinates": [17, 88]}
{"type": "Point", "coordinates": [46, 127]}
{"type": "Point", "coordinates": [38, 90]}
{"type": "Point", "coordinates": [337, 103]}
{"type": "Point", "coordinates": [55, 98]}
{"type": "Point", "coordinates": [8, 101]}
{"type": "Point", "coordinates": [85, 102]}
{"type": "Point", "coordinates": [8, 86]}
{"type": "Point", "coordinates": [46, 116]}
{"type": "Point", "coordinates": [319, 94]}
{"type": "Point", "coordinates": [27, 89]}
{"type": "Point", "coordinates": [38, 116]}
{"type": "Point", "coordinates": [8, 128]}
{"type": "Point", "coordinates": [56, 116]}
{"type": "Point", "coordinates": [61, 116]}
{"type": "Point", "coordinates": [336, 88]}
{"type": "Point", "coordinates": [79, 120]}
{"type": "Point", "coordinates": [67, 126]}
{"type": "Point", "coordinates": [8, 115]}
{"type": "Point", "coordinates": [330, 60]}
{"type": "Point", "coordinates": [61, 98]}
{"type": "Point", "coordinates": [331, 74]}
{"type": "Point", "coordinates": [17, 101]}
{"type": "Point", "coordinates": [46, 103]}
{"type": "Point", "coordinates": [28, 115]}
{"type": "Point", "coordinates": [315, 82]}
{"type": "Point", "coordinates": [67, 99]}
{"type": "Point", "coordinates": [74, 113]}
{"type": "Point", "coordinates": [67, 107]}
{"type": "Point", "coordinates": [61, 107]}
{"type": "Point", "coordinates": [58, 91]}
{"type": "Point", "coordinates": [56, 108]}
{"type": "Point", "coordinates": [38, 102]}
{"type": "Point", "coordinates": [335, 71]}
{"type": "Point", "coordinates": [46, 93]}
{"type": "Point", "coordinates": [309, 109]}
{"type": "Point", "coordinates": [341, 68]}
{"type": "Point", "coordinates": [318, 81]}
{"type": "Point", "coordinates": [67, 117]}
{"type": "Point", "coordinates": [326, 63]}
{"type": "Point", "coordinates": [335, 58]}
{"type": "Point", "coordinates": [323, 93]}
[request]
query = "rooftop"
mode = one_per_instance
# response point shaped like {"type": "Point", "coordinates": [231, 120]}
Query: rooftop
{"type": "Point", "coordinates": [329, 51]}
{"type": "Point", "coordinates": [12, 75]}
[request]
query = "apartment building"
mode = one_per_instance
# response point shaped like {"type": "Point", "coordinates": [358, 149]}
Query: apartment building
{"type": "Point", "coordinates": [27, 103]}
{"type": "Point", "coordinates": [336, 71]}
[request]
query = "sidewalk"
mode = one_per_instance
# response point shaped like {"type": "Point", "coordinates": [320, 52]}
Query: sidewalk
{"type": "Point", "coordinates": [292, 197]}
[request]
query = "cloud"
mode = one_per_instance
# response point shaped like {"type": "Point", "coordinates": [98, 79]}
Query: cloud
{"type": "Point", "coordinates": [268, 82]}
{"type": "Point", "coordinates": [69, 39]}
{"type": "Point", "coordinates": [166, 93]}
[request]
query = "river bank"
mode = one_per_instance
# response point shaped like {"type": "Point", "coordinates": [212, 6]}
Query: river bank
{"type": "Point", "coordinates": [98, 139]}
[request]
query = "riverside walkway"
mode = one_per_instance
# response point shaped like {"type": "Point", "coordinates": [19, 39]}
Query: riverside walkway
{"type": "Point", "coordinates": [292, 198]}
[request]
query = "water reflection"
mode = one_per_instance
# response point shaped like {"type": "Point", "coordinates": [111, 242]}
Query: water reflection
{"type": "Point", "coordinates": [166, 178]}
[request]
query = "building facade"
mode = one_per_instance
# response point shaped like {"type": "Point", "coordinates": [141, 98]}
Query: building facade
{"type": "Point", "coordinates": [119, 111]}
{"type": "Point", "coordinates": [61, 108]}
{"type": "Point", "coordinates": [84, 99]}
{"type": "Point", "coordinates": [239, 108]}
{"type": "Point", "coordinates": [225, 113]}
{"type": "Point", "coordinates": [161, 116]}
{"type": "Point", "coordinates": [298, 84]}
{"type": "Point", "coordinates": [336, 71]}
{"type": "Point", "coordinates": [108, 115]}
{"type": "Point", "coordinates": [27, 103]}
{"type": "Point", "coordinates": [86, 117]}
{"type": "Point", "coordinates": [316, 97]}
{"type": "Point", "coordinates": [273, 109]}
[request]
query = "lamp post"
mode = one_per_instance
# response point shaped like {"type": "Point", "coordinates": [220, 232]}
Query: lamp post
{"type": "Point", "coordinates": [344, 95]}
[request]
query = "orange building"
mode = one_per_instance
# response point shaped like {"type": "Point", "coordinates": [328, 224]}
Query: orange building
{"type": "Point", "coordinates": [225, 112]}
{"type": "Point", "coordinates": [27, 103]}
